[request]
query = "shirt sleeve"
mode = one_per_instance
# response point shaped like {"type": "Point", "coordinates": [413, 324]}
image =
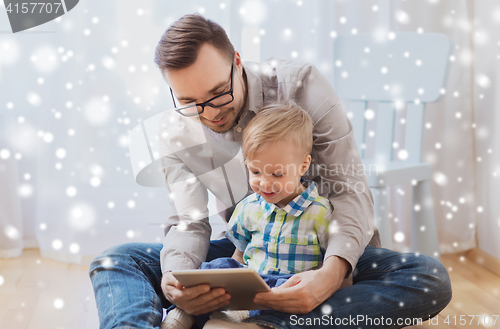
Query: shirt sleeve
{"type": "Point", "coordinates": [322, 224]}
{"type": "Point", "coordinates": [187, 231]}
{"type": "Point", "coordinates": [337, 168]}
{"type": "Point", "coordinates": [237, 231]}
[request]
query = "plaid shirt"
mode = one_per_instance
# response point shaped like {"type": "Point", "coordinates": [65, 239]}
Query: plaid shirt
{"type": "Point", "coordinates": [282, 240]}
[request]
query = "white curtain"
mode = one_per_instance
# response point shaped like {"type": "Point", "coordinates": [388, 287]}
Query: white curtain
{"type": "Point", "coordinates": [70, 93]}
{"type": "Point", "coordinates": [10, 207]}
{"type": "Point", "coordinates": [307, 32]}
{"type": "Point", "coordinates": [486, 95]}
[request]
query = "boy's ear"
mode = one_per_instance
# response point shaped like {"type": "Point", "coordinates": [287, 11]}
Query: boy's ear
{"type": "Point", "coordinates": [305, 165]}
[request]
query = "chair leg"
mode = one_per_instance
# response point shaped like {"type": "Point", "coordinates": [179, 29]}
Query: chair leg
{"type": "Point", "coordinates": [424, 237]}
{"type": "Point", "coordinates": [382, 220]}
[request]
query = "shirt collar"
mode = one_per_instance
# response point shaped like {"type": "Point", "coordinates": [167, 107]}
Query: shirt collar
{"type": "Point", "coordinates": [294, 207]}
{"type": "Point", "coordinates": [255, 98]}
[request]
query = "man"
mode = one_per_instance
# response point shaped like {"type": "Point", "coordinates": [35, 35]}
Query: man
{"type": "Point", "coordinates": [216, 95]}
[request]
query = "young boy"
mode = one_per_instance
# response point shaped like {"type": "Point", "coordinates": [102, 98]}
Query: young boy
{"type": "Point", "coordinates": [283, 227]}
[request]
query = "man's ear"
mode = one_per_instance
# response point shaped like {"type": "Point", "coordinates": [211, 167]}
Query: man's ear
{"type": "Point", "coordinates": [305, 165]}
{"type": "Point", "coordinates": [238, 62]}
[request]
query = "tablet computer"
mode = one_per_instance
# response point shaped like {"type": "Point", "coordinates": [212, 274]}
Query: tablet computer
{"type": "Point", "coordinates": [241, 283]}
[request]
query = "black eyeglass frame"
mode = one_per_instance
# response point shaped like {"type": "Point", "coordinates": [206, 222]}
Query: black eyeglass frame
{"type": "Point", "coordinates": [207, 103]}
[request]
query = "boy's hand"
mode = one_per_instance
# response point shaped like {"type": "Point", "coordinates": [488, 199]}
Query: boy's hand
{"type": "Point", "coordinates": [238, 256]}
{"type": "Point", "coordinates": [304, 291]}
{"type": "Point", "coordinates": [194, 300]}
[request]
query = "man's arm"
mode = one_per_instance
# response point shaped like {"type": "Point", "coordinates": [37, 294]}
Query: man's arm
{"type": "Point", "coordinates": [305, 291]}
{"type": "Point", "coordinates": [187, 231]}
{"type": "Point", "coordinates": [187, 235]}
{"type": "Point", "coordinates": [186, 157]}
{"type": "Point", "coordinates": [337, 168]}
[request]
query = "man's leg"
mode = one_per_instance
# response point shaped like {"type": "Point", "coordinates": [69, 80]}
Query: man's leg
{"type": "Point", "coordinates": [390, 290]}
{"type": "Point", "coordinates": [126, 279]}
{"type": "Point", "coordinates": [127, 284]}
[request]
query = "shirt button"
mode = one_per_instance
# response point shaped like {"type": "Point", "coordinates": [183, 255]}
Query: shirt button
{"type": "Point", "coordinates": [238, 129]}
{"type": "Point", "coordinates": [273, 240]}
{"type": "Point", "coordinates": [301, 240]}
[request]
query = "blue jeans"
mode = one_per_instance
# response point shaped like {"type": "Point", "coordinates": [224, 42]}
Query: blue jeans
{"type": "Point", "coordinates": [388, 286]}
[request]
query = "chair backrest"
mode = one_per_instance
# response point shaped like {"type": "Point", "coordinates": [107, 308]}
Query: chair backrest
{"type": "Point", "coordinates": [404, 70]}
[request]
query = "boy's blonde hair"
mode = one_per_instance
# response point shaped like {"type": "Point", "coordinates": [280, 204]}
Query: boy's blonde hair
{"type": "Point", "coordinates": [279, 122]}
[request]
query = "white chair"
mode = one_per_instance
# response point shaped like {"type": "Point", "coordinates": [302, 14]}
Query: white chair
{"type": "Point", "coordinates": [409, 71]}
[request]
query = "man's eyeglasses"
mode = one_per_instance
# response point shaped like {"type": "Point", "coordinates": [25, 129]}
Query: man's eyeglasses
{"type": "Point", "coordinates": [193, 109]}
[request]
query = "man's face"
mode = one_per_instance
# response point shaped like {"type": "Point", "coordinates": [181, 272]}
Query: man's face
{"type": "Point", "coordinates": [207, 77]}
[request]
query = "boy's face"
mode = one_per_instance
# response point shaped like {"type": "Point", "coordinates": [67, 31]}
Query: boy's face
{"type": "Point", "coordinates": [275, 172]}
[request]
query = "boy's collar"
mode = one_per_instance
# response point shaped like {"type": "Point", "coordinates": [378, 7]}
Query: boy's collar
{"type": "Point", "coordinates": [297, 205]}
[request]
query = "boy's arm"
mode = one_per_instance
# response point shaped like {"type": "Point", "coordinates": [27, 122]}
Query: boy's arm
{"type": "Point", "coordinates": [238, 255]}
{"type": "Point", "coordinates": [237, 231]}
{"type": "Point", "coordinates": [322, 224]}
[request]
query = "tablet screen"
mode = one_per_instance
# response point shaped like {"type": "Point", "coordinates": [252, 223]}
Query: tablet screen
{"type": "Point", "coordinates": [241, 283]}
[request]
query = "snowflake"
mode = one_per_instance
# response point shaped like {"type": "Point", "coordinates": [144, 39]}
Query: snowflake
{"type": "Point", "coordinates": [58, 303]}
{"type": "Point", "coordinates": [399, 237]}
{"type": "Point", "coordinates": [57, 244]}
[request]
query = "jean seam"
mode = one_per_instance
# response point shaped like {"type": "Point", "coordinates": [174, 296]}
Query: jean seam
{"type": "Point", "coordinates": [155, 301]}
{"type": "Point", "coordinates": [144, 263]}
{"type": "Point", "coordinates": [272, 325]}
{"type": "Point", "coordinates": [407, 308]}
{"type": "Point", "coordinates": [141, 262]}
{"type": "Point", "coordinates": [264, 323]}
{"type": "Point", "coordinates": [374, 272]}
{"type": "Point", "coordinates": [423, 304]}
{"type": "Point", "coordinates": [112, 301]}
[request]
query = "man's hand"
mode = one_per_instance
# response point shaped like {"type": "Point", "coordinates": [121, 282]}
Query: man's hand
{"type": "Point", "coordinates": [194, 300]}
{"type": "Point", "coordinates": [304, 291]}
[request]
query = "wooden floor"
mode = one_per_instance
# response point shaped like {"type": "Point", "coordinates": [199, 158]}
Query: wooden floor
{"type": "Point", "coordinates": [44, 294]}
{"type": "Point", "coordinates": [476, 291]}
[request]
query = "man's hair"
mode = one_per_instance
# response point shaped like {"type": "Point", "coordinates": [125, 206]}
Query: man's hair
{"type": "Point", "coordinates": [279, 122]}
{"type": "Point", "coordinates": [179, 46]}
